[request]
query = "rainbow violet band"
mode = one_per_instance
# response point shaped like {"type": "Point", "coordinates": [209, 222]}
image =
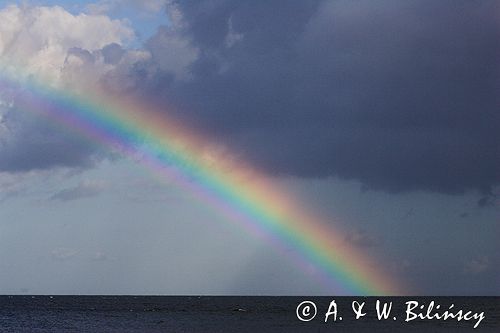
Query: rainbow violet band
{"type": "Point", "coordinates": [245, 195]}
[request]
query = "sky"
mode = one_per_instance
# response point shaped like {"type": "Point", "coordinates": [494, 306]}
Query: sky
{"type": "Point", "coordinates": [381, 117]}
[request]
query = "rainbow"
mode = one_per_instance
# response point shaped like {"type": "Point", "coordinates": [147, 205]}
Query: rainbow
{"type": "Point", "coordinates": [245, 195]}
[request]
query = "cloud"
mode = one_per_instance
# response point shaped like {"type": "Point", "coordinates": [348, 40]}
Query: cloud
{"type": "Point", "coordinates": [11, 185]}
{"type": "Point", "coordinates": [36, 145]}
{"type": "Point", "coordinates": [82, 190]}
{"type": "Point", "coordinates": [25, 184]}
{"type": "Point", "coordinates": [487, 201]}
{"type": "Point", "coordinates": [400, 266]}
{"type": "Point", "coordinates": [171, 52]}
{"type": "Point", "coordinates": [398, 95]}
{"type": "Point", "coordinates": [63, 254]}
{"type": "Point", "coordinates": [105, 6]}
{"type": "Point", "coordinates": [61, 50]}
{"type": "Point", "coordinates": [362, 238]}
{"type": "Point", "coordinates": [37, 39]}
{"type": "Point", "coordinates": [477, 265]}
{"type": "Point", "coordinates": [101, 256]}
{"type": "Point", "coordinates": [401, 95]}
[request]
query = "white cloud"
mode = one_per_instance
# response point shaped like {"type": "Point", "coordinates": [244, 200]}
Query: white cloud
{"type": "Point", "coordinates": [105, 6]}
{"type": "Point", "coordinates": [38, 39]}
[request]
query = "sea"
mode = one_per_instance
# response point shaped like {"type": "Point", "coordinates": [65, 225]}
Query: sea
{"type": "Point", "coordinates": [236, 314]}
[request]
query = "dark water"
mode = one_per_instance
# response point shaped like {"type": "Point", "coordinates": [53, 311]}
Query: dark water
{"type": "Point", "coordinates": [225, 314]}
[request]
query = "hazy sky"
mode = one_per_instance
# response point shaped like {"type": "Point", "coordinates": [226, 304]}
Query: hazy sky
{"type": "Point", "coordinates": [381, 116]}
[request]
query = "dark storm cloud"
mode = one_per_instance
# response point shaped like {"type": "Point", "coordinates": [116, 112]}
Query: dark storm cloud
{"type": "Point", "coordinates": [25, 154]}
{"type": "Point", "coordinates": [487, 201]}
{"type": "Point", "coordinates": [112, 53]}
{"type": "Point", "coordinates": [401, 95]}
{"type": "Point", "coordinates": [34, 142]}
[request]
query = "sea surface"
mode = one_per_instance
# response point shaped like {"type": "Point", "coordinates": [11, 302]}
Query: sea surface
{"type": "Point", "coordinates": [227, 314]}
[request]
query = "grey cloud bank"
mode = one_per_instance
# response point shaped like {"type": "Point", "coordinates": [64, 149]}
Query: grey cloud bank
{"type": "Point", "coordinates": [399, 95]}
